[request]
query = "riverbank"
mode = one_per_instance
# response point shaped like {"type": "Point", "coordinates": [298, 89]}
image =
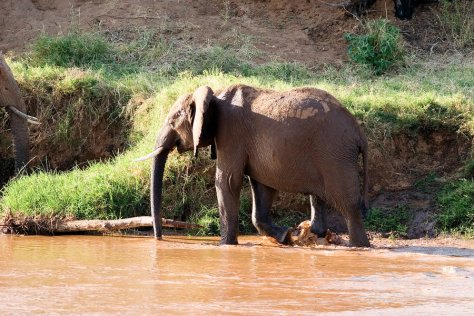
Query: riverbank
{"type": "Point", "coordinates": [102, 95]}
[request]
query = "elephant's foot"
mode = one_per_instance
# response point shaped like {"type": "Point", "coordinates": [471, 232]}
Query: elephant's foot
{"type": "Point", "coordinates": [283, 235]}
{"type": "Point", "coordinates": [228, 241]}
{"type": "Point", "coordinates": [359, 240]}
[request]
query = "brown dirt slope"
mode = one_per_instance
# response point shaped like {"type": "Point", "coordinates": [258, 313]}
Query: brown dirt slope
{"type": "Point", "coordinates": [308, 31]}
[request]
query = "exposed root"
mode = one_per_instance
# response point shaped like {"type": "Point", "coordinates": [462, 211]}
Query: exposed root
{"type": "Point", "coordinates": [43, 225]}
{"type": "Point", "coordinates": [31, 225]}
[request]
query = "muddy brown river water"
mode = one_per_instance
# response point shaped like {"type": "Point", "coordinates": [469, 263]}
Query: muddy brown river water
{"type": "Point", "coordinates": [116, 275]}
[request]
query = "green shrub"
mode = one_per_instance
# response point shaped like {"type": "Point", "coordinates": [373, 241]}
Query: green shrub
{"type": "Point", "coordinates": [208, 218]}
{"type": "Point", "coordinates": [74, 49]}
{"type": "Point", "coordinates": [457, 21]}
{"type": "Point", "coordinates": [456, 201]}
{"type": "Point", "coordinates": [380, 45]}
{"type": "Point", "coordinates": [388, 220]}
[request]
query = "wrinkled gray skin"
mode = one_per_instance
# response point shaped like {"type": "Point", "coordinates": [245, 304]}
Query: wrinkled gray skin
{"type": "Point", "coordinates": [11, 99]}
{"type": "Point", "coordinates": [301, 140]}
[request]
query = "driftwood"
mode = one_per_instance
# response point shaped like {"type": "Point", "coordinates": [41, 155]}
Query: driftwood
{"type": "Point", "coordinates": [118, 224]}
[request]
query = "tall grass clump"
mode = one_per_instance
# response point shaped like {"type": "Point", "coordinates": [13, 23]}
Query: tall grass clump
{"type": "Point", "coordinates": [457, 21]}
{"type": "Point", "coordinates": [76, 49]}
{"type": "Point", "coordinates": [379, 46]}
{"type": "Point", "coordinates": [103, 191]}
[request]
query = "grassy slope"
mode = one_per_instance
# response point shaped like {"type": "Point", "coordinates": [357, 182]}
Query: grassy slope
{"type": "Point", "coordinates": [151, 74]}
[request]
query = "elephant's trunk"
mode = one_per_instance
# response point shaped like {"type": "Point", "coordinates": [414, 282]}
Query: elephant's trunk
{"type": "Point", "coordinates": [166, 141]}
{"type": "Point", "coordinates": [157, 171]}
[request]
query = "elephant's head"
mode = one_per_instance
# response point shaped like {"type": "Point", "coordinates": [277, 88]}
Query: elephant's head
{"type": "Point", "coordinates": [10, 98]}
{"type": "Point", "coordinates": [189, 125]}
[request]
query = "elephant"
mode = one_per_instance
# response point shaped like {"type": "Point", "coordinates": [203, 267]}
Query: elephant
{"type": "Point", "coordinates": [302, 140]}
{"type": "Point", "coordinates": [403, 8]}
{"type": "Point", "coordinates": [11, 99]}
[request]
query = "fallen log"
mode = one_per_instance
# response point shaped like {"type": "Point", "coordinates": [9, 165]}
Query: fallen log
{"type": "Point", "coordinates": [117, 224]}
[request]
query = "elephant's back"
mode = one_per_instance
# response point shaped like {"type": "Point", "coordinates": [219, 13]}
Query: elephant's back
{"type": "Point", "coordinates": [302, 112]}
{"type": "Point", "coordinates": [296, 133]}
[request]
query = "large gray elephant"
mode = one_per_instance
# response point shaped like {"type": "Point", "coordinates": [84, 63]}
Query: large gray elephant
{"type": "Point", "coordinates": [300, 140]}
{"type": "Point", "coordinates": [10, 98]}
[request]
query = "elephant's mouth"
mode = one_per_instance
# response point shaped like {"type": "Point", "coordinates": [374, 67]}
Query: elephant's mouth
{"type": "Point", "coordinates": [181, 147]}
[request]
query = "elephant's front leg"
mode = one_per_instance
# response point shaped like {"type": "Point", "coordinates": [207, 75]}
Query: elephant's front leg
{"type": "Point", "coordinates": [262, 202]}
{"type": "Point", "coordinates": [228, 186]}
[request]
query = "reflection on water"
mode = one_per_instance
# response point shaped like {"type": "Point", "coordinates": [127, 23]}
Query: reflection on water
{"type": "Point", "coordinates": [105, 275]}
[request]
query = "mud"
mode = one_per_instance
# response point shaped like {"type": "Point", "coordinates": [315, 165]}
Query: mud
{"type": "Point", "coordinates": [179, 275]}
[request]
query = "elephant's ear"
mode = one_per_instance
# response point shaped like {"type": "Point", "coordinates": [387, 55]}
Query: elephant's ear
{"type": "Point", "coordinates": [202, 98]}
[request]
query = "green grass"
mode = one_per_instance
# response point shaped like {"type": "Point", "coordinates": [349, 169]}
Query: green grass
{"type": "Point", "coordinates": [103, 191]}
{"type": "Point", "coordinates": [379, 46]}
{"type": "Point", "coordinates": [72, 50]}
{"type": "Point", "coordinates": [456, 201]}
{"type": "Point", "coordinates": [133, 85]}
{"type": "Point", "coordinates": [394, 221]}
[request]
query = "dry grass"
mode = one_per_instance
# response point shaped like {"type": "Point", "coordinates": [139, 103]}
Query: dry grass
{"type": "Point", "coordinates": [457, 21]}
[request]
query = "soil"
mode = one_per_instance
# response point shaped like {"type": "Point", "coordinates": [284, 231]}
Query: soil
{"type": "Point", "coordinates": [309, 31]}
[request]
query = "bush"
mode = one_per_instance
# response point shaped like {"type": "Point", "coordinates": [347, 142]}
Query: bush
{"type": "Point", "coordinates": [456, 201]}
{"type": "Point", "coordinates": [74, 49]}
{"type": "Point", "coordinates": [380, 46]}
{"type": "Point", "coordinates": [388, 221]}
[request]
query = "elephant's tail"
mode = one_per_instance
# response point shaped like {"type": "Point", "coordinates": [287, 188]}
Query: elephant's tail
{"type": "Point", "coordinates": [365, 202]}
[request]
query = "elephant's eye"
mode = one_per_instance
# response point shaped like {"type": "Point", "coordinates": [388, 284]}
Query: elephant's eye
{"type": "Point", "coordinates": [178, 114]}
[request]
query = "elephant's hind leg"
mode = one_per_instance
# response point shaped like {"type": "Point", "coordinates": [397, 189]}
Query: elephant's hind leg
{"type": "Point", "coordinates": [343, 193]}
{"type": "Point", "coordinates": [318, 216]}
{"type": "Point", "coordinates": [262, 197]}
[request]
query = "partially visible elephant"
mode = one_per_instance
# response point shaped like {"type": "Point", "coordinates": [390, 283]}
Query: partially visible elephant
{"type": "Point", "coordinates": [403, 8]}
{"type": "Point", "coordinates": [300, 140]}
{"type": "Point", "coordinates": [10, 98]}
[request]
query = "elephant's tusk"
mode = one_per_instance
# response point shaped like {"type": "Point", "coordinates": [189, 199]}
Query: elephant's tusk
{"type": "Point", "coordinates": [30, 119]}
{"type": "Point", "coordinates": [154, 153]}
{"type": "Point", "coordinates": [33, 121]}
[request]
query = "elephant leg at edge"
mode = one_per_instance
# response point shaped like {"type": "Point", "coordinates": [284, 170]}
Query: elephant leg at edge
{"type": "Point", "coordinates": [344, 195]}
{"type": "Point", "coordinates": [318, 216]}
{"type": "Point", "coordinates": [357, 235]}
{"type": "Point", "coordinates": [262, 199]}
